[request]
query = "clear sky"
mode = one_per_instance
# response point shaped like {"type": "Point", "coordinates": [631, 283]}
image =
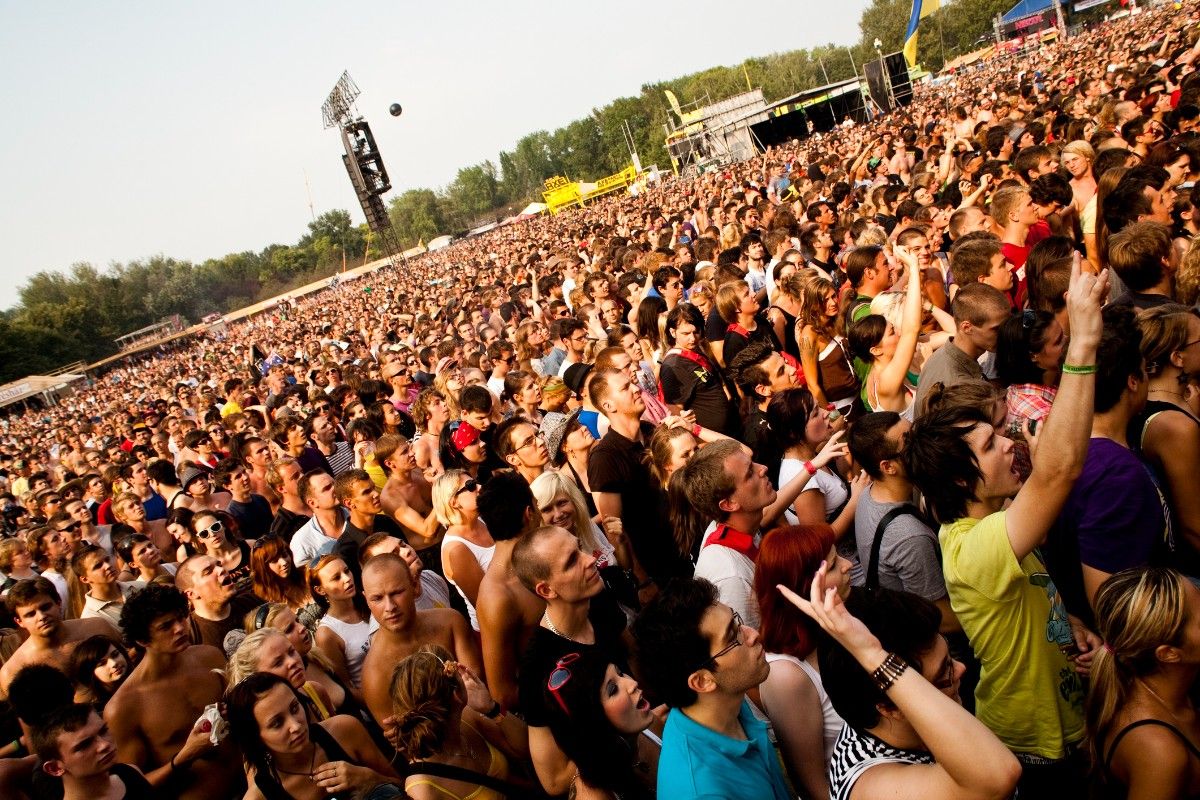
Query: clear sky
{"type": "Point", "coordinates": [187, 129]}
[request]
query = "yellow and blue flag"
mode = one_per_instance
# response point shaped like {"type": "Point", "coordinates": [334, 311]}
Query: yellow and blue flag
{"type": "Point", "coordinates": [920, 10]}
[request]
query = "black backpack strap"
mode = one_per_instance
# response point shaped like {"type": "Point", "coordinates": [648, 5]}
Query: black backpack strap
{"type": "Point", "coordinates": [873, 563]}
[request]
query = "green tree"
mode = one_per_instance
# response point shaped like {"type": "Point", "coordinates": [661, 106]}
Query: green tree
{"type": "Point", "coordinates": [417, 214]}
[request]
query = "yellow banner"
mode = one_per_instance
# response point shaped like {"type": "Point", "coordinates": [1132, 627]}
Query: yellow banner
{"type": "Point", "coordinates": [561, 193]}
{"type": "Point", "coordinates": [618, 181]}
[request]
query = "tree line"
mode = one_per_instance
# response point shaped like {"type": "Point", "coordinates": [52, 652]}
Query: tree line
{"type": "Point", "coordinates": [69, 316]}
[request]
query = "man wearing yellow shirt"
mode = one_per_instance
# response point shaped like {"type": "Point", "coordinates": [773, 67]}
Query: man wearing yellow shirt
{"type": "Point", "coordinates": [1030, 693]}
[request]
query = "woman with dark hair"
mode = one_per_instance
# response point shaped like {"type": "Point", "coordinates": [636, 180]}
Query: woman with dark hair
{"type": "Point", "coordinates": [1029, 351]}
{"type": "Point", "coordinates": [1139, 699]}
{"type": "Point", "coordinates": [344, 633]}
{"type": "Point", "coordinates": [827, 368]}
{"type": "Point", "coordinates": [649, 314]}
{"type": "Point", "coordinates": [690, 376]}
{"type": "Point", "coordinates": [604, 724]}
{"type": "Point", "coordinates": [217, 536]}
{"type": "Point", "coordinates": [889, 349]}
{"type": "Point", "coordinates": [803, 428]}
{"type": "Point", "coordinates": [793, 696]}
{"type": "Point", "coordinates": [523, 391]}
{"type": "Point", "coordinates": [179, 525]}
{"type": "Point", "coordinates": [276, 579]}
{"type": "Point", "coordinates": [462, 448]}
{"type": "Point", "coordinates": [98, 667]}
{"type": "Point", "coordinates": [391, 420]}
{"type": "Point", "coordinates": [288, 756]}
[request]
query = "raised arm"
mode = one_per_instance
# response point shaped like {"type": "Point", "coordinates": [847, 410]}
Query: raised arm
{"type": "Point", "coordinates": [1062, 446]}
{"type": "Point", "coordinates": [970, 763]}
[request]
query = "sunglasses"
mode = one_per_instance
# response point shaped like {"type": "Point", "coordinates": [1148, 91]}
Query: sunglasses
{"type": "Point", "coordinates": [74, 526]}
{"type": "Point", "coordinates": [560, 677]}
{"type": "Point", "coordinates": [470, 486]}
{"type": "Point", "coordinates": [216, 527]}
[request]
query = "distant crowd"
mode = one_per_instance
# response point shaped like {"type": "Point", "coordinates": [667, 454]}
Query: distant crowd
{"type": "Point", "coordinates": [865, 468]}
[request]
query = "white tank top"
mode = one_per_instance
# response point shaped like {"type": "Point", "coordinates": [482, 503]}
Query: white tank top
{"type": "Point", "coordinates": [483, 557]}
{"type": "Point", "coordinates": [833, 722]}
{"type": "Point", "coordinates": [356, 641]}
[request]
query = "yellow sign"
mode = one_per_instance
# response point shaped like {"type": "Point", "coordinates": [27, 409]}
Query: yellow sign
{"type": "Point", "coordinates": [561, 193]}
{"type": "Point", "coordinates": [618, 181]}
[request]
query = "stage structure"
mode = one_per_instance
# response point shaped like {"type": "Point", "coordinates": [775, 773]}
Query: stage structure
{"type": "Point", "coordinates": [704, 135]}
{"type": "Point", "coordinates": [363, 162]}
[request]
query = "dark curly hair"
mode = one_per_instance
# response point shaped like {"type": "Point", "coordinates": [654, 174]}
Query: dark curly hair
{"type": "Point", "coordinates": [146, 605]}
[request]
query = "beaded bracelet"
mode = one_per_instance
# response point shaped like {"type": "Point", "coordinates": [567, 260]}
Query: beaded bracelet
{"type": "Point", "coordinates": [889, 671]}
{"type": "Point", "coordinates": [1079, 369]}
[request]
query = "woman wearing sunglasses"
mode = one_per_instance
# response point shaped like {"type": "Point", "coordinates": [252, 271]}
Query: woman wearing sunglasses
{"type": "Point", "coordinates": [603, 723]}
{"type": "Point", "coordinates": [467, 547]}
{"type": "Point", "coordinates": [444, 714]}
{"type": "Point", "coordinates": [215, 537]}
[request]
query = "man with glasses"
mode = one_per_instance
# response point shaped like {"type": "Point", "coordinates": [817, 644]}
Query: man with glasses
{"type": "Point", "coordinates": [580, 616]}
{"type": "Point", "coordinates": [572, 336]}
{"type": "Point", "coordinates": [696, 655]}
{"type": "Point", "coordinates": [668, 284]}
{"type": "Point", "coordinates": [502, 356]}
{"type": "Point", "coordinates": [399, 381]}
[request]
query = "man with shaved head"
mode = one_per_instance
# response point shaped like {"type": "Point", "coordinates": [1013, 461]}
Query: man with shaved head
{"type": "Point", "coordinates": [392, 597]}
{"type": "Point", "coordinates": [217, 608]}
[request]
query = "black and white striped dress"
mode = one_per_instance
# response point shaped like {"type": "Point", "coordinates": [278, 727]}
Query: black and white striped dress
{"type": "Point", "coordinates": [856, 752]}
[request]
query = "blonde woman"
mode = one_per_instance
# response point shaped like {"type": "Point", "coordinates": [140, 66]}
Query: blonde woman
{"type": "Point", "coordinates": [269, 650]}
{"type": "Point", "coordinates": [1139, 694]}
{"type": "Point", "coordinates": [467, 547]}
{"type": "Point", "coordinates": [561, 503]}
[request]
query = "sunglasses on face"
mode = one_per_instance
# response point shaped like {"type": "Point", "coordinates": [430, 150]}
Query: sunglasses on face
{"type": "Point", "coordinates": [74, 526]}
{"type": "Point", "coordinates": [560, 677]}
{"type": "Point", "coordinates": [216, 527]}
{"type": "Point", "coordinates": [470, 486]}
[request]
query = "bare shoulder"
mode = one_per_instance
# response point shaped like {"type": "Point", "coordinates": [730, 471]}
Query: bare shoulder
{"type": "Point", "coordinates": [204, 657]}
{"type": "Point", "coordinates": [81, 629]}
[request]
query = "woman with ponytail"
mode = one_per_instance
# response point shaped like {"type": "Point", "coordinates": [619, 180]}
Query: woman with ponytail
{"type": "Point", "coordinates": [1142, 726]}
{"type": "Point", "coordinates": [1167, 431]}
{"type": "Point", "coordinates": [444, 714]}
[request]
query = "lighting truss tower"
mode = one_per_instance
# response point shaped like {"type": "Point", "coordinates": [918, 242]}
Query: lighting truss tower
{"type": "Point", "coordinates": [363, 162]}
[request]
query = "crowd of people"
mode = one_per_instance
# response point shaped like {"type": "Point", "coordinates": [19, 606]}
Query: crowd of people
{"type": "Point", "coordinates": [862, 469]}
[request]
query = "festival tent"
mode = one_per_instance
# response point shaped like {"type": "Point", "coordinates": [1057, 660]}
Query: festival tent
{"type": "Point", "coordinates": [1025, 8]}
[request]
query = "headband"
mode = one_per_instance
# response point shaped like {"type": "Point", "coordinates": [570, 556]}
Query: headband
{"type": "Point", "coordinates": [465, 436]}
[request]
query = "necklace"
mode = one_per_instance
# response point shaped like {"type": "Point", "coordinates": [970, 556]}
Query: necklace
{"type": "Point", "coordinates": [311, 765]}
{"type": "Point", "coordinates": [1168, 391]}
{"type": "Point", "coordinates": [554, 630]}
{"type": "Point", "coordinates": [471, 752]}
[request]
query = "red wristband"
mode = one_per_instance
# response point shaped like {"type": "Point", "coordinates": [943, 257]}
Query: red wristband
{"type": "Point", "coordinates": [696, 430]}
{"type": "Point", "coordinates": [810, 468]}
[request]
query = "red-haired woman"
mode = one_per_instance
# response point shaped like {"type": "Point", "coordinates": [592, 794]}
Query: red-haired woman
{"type": "Point", "coordinates": [792, 695]}
{"type": "Point", "coordinates": [276, 579]}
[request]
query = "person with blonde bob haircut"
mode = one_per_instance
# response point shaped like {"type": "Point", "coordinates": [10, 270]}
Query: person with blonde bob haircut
{"type": "Point", "coordinates": [269, 650]}
{"type": "Point", "coordinates": [1138, 701]}
{"type": "Point", "coordinates": [467, 547]}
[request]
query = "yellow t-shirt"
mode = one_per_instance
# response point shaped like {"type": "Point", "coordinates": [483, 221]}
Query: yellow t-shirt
{"type": "Point", "coordinates": [1029, 694]}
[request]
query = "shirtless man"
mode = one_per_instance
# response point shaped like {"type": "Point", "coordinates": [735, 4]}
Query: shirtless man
{"type": "Point", "coordinates": [128, 508]}
{"type": "Point", "coordinates": [407, 497]}
{"type": "Point", "coordinates": [508, 612]}
{"type": "Point", "coordinates": [256, 453]}
{"type": "Point", "coordinates": [153, 716]}
{"type": "Point", "coordinates": [391, 596]}
{"type": "Point", "coordinates": [38, 611]}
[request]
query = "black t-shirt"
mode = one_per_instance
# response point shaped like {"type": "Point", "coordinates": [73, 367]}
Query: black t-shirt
{"type": "Point", "coordinates": [545, 649]}
{"type": "Point", "coordinates": [735, 342]}
{"type": "Point", "coordinates": [715, 327]}
{"type": "Point", "coordinates": [254, 518]}
{"type": "Point", "coordinates": [348, 543]}
{"type": "Point", "coordinates": [756, 434]}
{"type": "Point", "coordinates": [617, 466]}
{"type": "Point", "coordinates": [699, 389]}
{"type": "Point", "coordinates": [286, 523]}
{"type": "Point", "coordinates": [207, 631]}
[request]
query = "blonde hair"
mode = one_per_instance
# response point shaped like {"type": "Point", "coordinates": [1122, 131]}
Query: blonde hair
{"type": "Point", "coordinates": [1079, 148]}
{"type": "Point", "coordinates": [1187, 277]}
{"type": "Point", "coordinates": [890, 306]}
{"type": "Point", "coordinates": [425, 694]}
{"type": "Point", "coordinates": [548, 486]}
{"type": "Point", "coordinates": [444, 490]}
{"type": "Point", "coordinates": [1164, 333]}
{"type": "Point", "coordinates": [1137, 611]}
{"type": "Point", "coordinates": [244, 661]}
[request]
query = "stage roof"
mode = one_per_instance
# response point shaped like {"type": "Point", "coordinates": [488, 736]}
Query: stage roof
{"type": "Point", "coordinates": [1024, 9]}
